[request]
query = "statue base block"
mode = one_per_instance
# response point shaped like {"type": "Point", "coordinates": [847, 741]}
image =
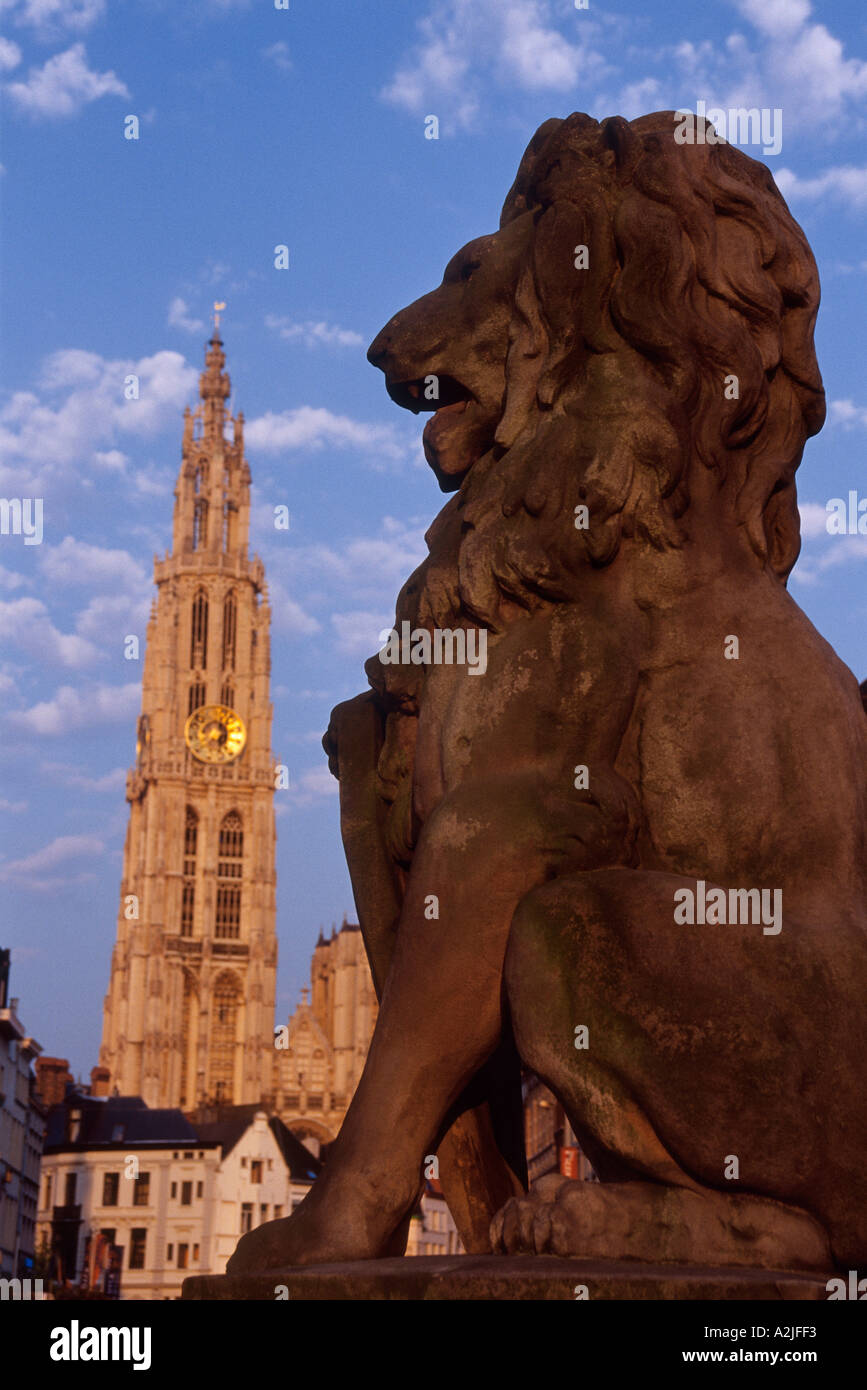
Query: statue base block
{"type": "Point", "coordinates": [495, 1277]}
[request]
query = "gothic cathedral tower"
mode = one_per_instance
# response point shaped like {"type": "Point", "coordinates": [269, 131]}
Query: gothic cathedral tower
{"type": "Point", "coordinates": [189, 1012]}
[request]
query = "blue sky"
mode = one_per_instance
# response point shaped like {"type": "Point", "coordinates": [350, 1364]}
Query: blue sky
{"type": "Point", "coordinates": [306, 127]}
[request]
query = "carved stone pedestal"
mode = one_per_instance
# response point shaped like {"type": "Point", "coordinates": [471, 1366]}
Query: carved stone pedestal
{"type": "Point", "coordinates": [494, 1277]}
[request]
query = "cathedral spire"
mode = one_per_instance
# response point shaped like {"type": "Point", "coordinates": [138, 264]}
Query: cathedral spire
{"type": "Point", "coordinates": [214, 389]}
{"type": "Point", "coordinates": [212, 497]}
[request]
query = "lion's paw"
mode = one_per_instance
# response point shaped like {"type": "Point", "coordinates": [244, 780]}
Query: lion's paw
{"type": "Point", "coordinates": [524, 1225]}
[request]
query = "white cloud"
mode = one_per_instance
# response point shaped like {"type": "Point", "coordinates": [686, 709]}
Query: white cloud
{"type": "Point", "coordinates": [179, 317]}
{"type": "Point", "coordinates": [10, 580]}
{"type": "Point", "coordinates": [28, 871]}
{"type": "Point", "coordinates": [64, 86]}
{"type": "Point", "coordinates": [51, 437]}
{"type": "Point", "coordinates": [72, 708]}
{"type": "Point", "coordinates": [464, 43]}
{"type": "Point", "coordinates": [10, 55]}
{"type": "Point", "coordinates": [278, 54]}
{"type": "Point", "coordinates": [316, 784]}
{"type": "Point", "coordinates": [813, 519]}
{"type": "Point", "coordinates": [111, 459]}
{"type": "Point", "coordinates": [287, 615]}
{"type": "Point", "coordinates": [367, 569]}
{"type": "Point", "coordinates": [314, 334]}
{"type": "Point", "coordinates": [51, 16]}
{"type": "Point", "coordinates": [25, 623]}
{"type": "Point", "coordinates": [845, 183]}
{"type": "Point", "coordinates": [847, 413]}
{"type": "Point", "coordinates": [358, 633]}
{"type": "Point", "coordinates": [68, 776]}
{"type": "Point", "coordinates": [777, 18]}
{"type": "Point", "coordinates": [77, 562]}
{"type": "Point", "coordinates": [314, 427]}
{"type": "Point", "coordinates": [791, 63]}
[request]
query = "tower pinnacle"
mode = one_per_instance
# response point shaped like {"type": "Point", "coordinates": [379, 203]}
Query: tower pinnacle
{"type": "Point", "coordinates": [212, 497]}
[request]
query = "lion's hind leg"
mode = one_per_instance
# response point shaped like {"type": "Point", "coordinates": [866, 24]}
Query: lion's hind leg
{"type": "Point", "coordinates": [682, 1082]}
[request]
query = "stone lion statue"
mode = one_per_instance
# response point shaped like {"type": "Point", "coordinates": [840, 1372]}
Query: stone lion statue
{"type": "Point", "coordinates": [567, 859]}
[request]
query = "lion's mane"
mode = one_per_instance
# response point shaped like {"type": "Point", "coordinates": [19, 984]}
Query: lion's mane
{"type": "Point", "coordinates": [615, 374]}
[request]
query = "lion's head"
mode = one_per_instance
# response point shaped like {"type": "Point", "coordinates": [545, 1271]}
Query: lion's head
{"type": "Point", "coordinates": [607, 378]}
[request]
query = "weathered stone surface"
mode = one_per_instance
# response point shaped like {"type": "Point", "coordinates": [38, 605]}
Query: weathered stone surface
{"type": "Point", "coordinates": [492, 1277]}
{"type": "Point", "coordinates": [623, 378]}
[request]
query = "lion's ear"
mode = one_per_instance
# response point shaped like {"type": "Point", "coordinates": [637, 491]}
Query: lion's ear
{"type": "Point", "coordinates": [618, 135]}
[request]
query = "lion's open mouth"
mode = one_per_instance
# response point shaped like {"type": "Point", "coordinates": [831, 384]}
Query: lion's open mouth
{"type": "Point", "coordinates": [432, 392]}
{"type": "Point", "coordinates": [460, 431]}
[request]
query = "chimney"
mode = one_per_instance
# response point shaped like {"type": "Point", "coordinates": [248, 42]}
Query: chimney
{"type": "Point", "coordinates": [100, 1078]}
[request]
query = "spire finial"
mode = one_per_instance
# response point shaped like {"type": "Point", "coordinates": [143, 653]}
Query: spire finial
{"type": "Point", "coordinates": [219, 306]}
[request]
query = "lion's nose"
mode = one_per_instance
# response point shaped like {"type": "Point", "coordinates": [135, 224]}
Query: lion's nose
{"type": "Point", "coordinates": [379, 349]}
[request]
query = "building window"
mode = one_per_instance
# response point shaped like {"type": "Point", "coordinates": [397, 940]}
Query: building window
{"type": "Point", "coordinates": [256, 1170]}
{"type": "Point", "coordinates": [108, 1233]}
{"type": "Point", "coordinates": [137, 1243]}
{"type": "Point", "coordinates": [200, 523]}
{"type": "Point", "coordinates": [224, 1036]}
{"type": "Point", "coordinates": [263, 1213]}
{"type": "Point", "coordinates": [186, 1194]}
{"type": "Point", "coordinates": [230, 868]}
{"type": "Point", "coordinates": [188, 899]}
{"type": "Point", "coordinates": [141, 1190]}
{"type": "Point", "coordinates": [110, 1185]}
{"type": "Point", "coordinates": [227, 694]}
{"type": "Point", "coordinates": [170, 1251]}
{"type": "Point", "coordinates": [199, 638]}
{"type": "Point", "coordinates": [49, 1181]}
{"type": "Point", "coordinates": [231, 848]}
{"type": "Point", "coordinates": [195, 1254]}
{"type": "Point", "coordinates": [188, 891]}
{"type": "Point", "coordinates": [189, 1155]}
{"type": "Point", "coordinates": [183, 1252]}
{"type": "Point", "coordinates": [199, 1189]}
{"type": "Point", "coordinates": [278, 1212]}
{"type": "Point", "coordinates": [246, 1217]}
{"type": "Point", "coordinates": [189, 1026]}
{"type": "Point", "coordinates": [191, 839]}
{"type": "Point", "coordinates": [69, 1185]}
{"type": "Point", "coordinates": [227, 926]}
{"type": "Point", "coordinates": [230, 625]}
{"type": "Point", "coordinates": [196, 696]}
{"type": "Point", "coordinates": [174, 1191]}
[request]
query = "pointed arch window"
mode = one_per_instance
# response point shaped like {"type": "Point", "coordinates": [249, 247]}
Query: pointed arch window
{"type": "Point", "coordinates": [225, 1008]}
{"type": "Point", "coordinates": [200, 524]}
{"type": "Point", "coordinates": [188, 889]}
{"type": "Point", "coordinates": [199, 637]}
{"type": "Point", "coordinates": [230, 628]}
{"type": "Point", "coordinates": [196, 697]}
{"type": "Point", "coordinates": [227, 694]}
{"type": "Point", "coordinates": [230, 867]}
{"type": "Point", "coordinates": [189, 1016]}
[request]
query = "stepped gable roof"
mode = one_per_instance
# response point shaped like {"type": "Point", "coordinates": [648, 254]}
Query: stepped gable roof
{"type": "Point", "coordinates": [232, 1125]}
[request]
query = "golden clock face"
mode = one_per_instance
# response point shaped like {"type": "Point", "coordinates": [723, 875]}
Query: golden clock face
{"type": "Point", "coordinates": [215, 734]}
